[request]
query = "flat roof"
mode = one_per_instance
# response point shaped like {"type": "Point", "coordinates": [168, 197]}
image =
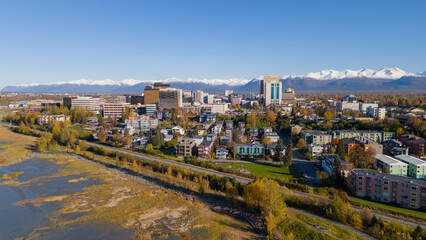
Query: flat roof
{"type": "Point", "coordinates": [388, 160]}
{"type": "Point", "coordinates": [404, 179]}
{"type": "Point", "coordinates": [411, 160]}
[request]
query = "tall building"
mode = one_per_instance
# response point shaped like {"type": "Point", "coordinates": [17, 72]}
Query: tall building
{"type": "Point", "coordinates": [114, 109]}
{"type": "Point", "coordinates": [271, 88]}
{"type": "Point", "coordinates": [199, 96]}
{"type": "Point", "coordinates": [67, 101]}
{"type": "Point", "coordinates": [289, 97]}
{"type": "Point", "coordinates": [91, 104]}
{"type": "Point", "coordinates": [170, 98]}
{"type": "Point", "coordinates": [151, 93]}
{"type": "Point", "coordinates": [228, 92]}
{"type": "Point", "coordinates": [135, 100]}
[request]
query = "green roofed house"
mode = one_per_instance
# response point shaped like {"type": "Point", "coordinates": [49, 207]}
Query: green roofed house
{"type": "Point", "coordinates": [391, 165]}
{"type": "Point", "coordinates": [416, 166]}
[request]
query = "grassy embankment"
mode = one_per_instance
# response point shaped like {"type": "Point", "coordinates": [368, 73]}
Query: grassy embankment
{"type": "Point", "coordinates": [265, 170]}
{"type": "Point", "coordinates": [389, 208]}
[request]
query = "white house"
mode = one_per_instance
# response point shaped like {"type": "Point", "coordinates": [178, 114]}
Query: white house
{"type": "Point", "coordinates": [177, 129]}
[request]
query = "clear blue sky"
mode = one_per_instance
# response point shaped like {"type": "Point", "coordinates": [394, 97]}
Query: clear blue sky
{"type": "Point", "coordinates": [48, 41]}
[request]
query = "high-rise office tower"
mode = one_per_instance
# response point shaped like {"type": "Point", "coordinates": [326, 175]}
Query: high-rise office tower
{"type": "Point", "coordinates": [271, 89]}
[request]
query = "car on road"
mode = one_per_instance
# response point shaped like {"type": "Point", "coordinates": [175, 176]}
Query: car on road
{"type": "Point", "coordinates": [305, 176]}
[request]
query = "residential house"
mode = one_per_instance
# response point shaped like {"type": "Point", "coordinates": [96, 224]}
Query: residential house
{"type": "Point", "coordinates": [207, 118]}
{"type": "Point", "coordinates": [330, 161]}
{"type": "Point", "coordinates": [204, 149]}
{"type": "Point", "coordinates": [315, 149]}
{"type": "Point", "coordinates": [272, 136]}
{"type": "Point", "coordinates": [179, 130]}
{"type": "Point", "coordinates": [221, 153]}
{"type": "Point", "coordinates": [198, 140]}
{"type": "Point", "coordinates": [254, 132]}
{"type": "Point", "coordinates": [224, 140]}
{"type": "Point", "coordinates": [211, 137]}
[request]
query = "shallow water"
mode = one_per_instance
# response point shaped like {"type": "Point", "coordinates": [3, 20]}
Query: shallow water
{"type": "Point", "coordinates": [20, 220]}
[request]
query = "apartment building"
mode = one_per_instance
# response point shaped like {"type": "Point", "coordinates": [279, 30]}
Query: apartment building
{"type": "Point", "coordinates": [185, 147]}
{"type": "Point", "coordinates": [384, 187]}
{"type": "Point", "coordinates": [373, 135]}
{"type": "Point", "coordinates": [254, 150]}
{"type": "Point", "coordinates": [376, 112]}
{"type": "Point", "coordinates": [363, 107]}
{"type": "Point", "coordinates": [317, 137]}
{"type": "Point", "coordinates": [416, 145]}
{"type": "Point", "coordinates": [44, 119]}
{"type": "Point", "coordinates": [416, 166]}
{"type": "Point", "coordinates": [142, 123]}
{"type": "Point", "coordinates": [390, 165]}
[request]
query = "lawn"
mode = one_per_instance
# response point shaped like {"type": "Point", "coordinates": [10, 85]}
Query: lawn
{"type": "Point", "coordinates": [386, 207]}
{"type": "Point", "coordinates": [265, 170]}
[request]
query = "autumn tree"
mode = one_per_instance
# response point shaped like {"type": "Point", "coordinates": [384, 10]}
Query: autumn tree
{"type": "Point", "coordinates": [301, 144]}
{"type": "Point", "coordinates": [102, 136]}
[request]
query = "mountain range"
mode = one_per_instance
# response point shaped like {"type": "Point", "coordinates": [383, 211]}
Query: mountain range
{"type": "Point", "coordinates": [385, 79]}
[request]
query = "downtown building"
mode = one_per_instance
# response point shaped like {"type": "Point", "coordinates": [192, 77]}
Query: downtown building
{"type": "Point", "coordinates": [170, 98]}
{"type": "Point", "coordinates": [89, 103]}
{"type": "Point", "coordinates": [114, 109]}
{"type": "Point", "coordinates": [271, 89]}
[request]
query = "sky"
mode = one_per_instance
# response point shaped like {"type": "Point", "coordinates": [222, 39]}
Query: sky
{"type": "Point", "coordinates": [48, 41]}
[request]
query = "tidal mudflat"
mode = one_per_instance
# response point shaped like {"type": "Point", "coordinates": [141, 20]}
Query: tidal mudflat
{"type": "Point", "coordinates": [62, 197]}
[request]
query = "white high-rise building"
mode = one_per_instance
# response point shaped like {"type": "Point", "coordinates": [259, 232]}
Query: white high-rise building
{"type": "Point", "coordinates": [199, 96]}
{"type": "Point", "coordinates": [271, 88]}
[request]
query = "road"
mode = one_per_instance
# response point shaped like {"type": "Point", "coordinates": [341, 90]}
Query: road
{"type": "Point", "coordinates": [242, 180]}
{"type": "Point", "coordinates": [306, 167]}
{"type": "Point", "coordinates": [341, 225]}
{"type": "Point", "coordinates": [176, 163]}
{"type": "Point", "coordinates": [246, 180]}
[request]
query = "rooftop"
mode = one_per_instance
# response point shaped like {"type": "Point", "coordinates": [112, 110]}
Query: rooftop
{"type": "Point", "coordinates": [388, 160]}
{"type": "Point", "coordinates": [411, 160]}
{"type": "Point", "coordinates": [403, 179]}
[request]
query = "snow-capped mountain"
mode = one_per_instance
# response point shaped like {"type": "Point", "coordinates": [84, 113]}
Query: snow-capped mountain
{"type": "Point", "coordinates": [384, 73]}
{"type": "Point", "coordinates": [132, 82]}
{"type": "Point", "coordinates": [385, 79]}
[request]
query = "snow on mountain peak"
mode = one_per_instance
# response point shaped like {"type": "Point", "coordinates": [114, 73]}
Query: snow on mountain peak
{"type": "Point", "coordinates": [384, 73]}
{"type": "Point", "coordinates": [131, 82]}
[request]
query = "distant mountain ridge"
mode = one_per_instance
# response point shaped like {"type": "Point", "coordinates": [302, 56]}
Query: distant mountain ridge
{"type": "Point", "coordinates": [385, 79]}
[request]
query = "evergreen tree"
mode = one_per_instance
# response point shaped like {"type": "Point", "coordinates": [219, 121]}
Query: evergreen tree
{"type": "Point", "coordinates": [288, 157]}
{"type": "Point", "coordinates": [341, 148]}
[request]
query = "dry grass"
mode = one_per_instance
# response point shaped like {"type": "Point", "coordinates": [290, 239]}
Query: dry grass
{"type": "Point", "coordinates": [17, 148]}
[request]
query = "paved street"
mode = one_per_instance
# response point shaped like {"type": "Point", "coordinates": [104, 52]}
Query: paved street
{"type": "Point", "coordinates": [307, 167]}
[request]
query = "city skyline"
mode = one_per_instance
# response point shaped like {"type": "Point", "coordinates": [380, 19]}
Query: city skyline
{"type": "Point", "coordinates": [47, 42]}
